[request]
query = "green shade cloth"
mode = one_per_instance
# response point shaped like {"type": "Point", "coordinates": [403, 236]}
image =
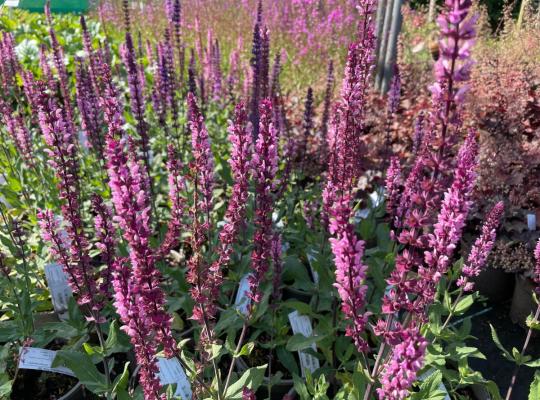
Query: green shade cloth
{"type": "Point", "coordinates": [58, 6]}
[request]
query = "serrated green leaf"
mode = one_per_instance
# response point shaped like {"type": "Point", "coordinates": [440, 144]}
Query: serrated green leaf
{"type": "Point", "coordinates": [495, 338]}
{"type": "Point", "coordinates": [534, 391]}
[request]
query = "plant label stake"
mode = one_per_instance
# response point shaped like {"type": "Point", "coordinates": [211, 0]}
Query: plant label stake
{"type": "Point", "coordinates": [40, 360]}
{"type": "Point", "coordinates": [59, 288]}
{"type": "Point", "coordinates": [171, 372]}
{"type": "Point", "coordinates": [531, 222]}
{"type": "Point", "coordinates": [242, 300]}
{"type": "Point", "coordinates": [301, 324]}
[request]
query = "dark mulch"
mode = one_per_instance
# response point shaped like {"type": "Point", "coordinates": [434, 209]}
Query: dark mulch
{"type": "Point", "coordinates": [496, 367]}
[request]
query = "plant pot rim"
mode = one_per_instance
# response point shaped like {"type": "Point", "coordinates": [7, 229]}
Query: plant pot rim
{"type": "Point", "coordinates": [73, 391]}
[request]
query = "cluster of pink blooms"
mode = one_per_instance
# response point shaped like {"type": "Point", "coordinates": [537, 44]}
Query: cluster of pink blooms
{"type": "Point", "coordinates": [344, 169]}
{"type": "Point", "coordinates": [264, 166]}
{"type": "Point", "coordinates": [310, 22]}
{"type": "Point", "coordinates": [9, 64]}
{"type": "Point", "coordinates": [537, 267]}
{"type": "Point", "coordinates": [139, 300]}
{"type": "Point", "coordinates": [240, 138]}
{"type": "Point", "coordinates": [407, 359]}
{"type": "Point", "coordinates": [451, 221]}
{"type": "Point", "coordinates": [73, 249]}
{"type": "Point", "coordinates": [248, 394]}
{"type": "Point", "coordinates": [18, 131]}
{"type": "Point", "coordinates": [428, 207]}
{"type": "Point", "coordinates": [202, 177]}
{"type": "Point", "coordinates": [177, 186]}
{"type": "Point", "coordinates": [481, 248]}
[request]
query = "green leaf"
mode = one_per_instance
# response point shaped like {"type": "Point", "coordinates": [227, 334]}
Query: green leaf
{"type": "Point", "coordinates": [431, 387]}
{"type": "Point", "coordinates": [533, 323]}
{"type": "Point", "coordinates": [245, 350]}
{"type": "Point", "coordinates": [117, 341]}
{"type": "Point", "coordinates": [91, 350]}
{"type": "Point", "coordinates": [287, 359]}
{"type": "Point", "coordinates": [517, 356]}
{"type": "Point", "coordinates": [5, 389]}
{"type": "Point", "coordinates": [300, 342]}
{"type": "Point", "coordinates": [302, 308]}
{"type": "Point", "coordinates": [301, 388]}
{"type": "Point", "coordinates": [121, 382]}
{"type": "Point", "coordinates": [495, 337]}
{"type": "Point", "coordinates": [534, 391]}
{"type": "Point", "coordinates": [367, 228]}
{"type": "Point", "coordinates": [9, 331]}
{"type": "Point", "coordinates": [464, 304]}
{"type": "Point", "coordinates": [251, 379]}
{"type": "Point", "coordinates": [83, 368]}
{"type": "Point", "coordinates": [533, 364]}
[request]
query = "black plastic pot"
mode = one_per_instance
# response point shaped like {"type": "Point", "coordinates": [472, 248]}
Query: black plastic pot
{"type": "Point", "coordinates": [26, 386]}
{"type": "Point", "coordinates": [77, 392]}
{"type": "Point", "coordinates": [495, 284]}
{"type": "Point", "coordinates": [523, 303]}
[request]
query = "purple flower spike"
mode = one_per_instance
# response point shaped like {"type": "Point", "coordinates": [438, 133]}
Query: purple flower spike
{"type": "Point", "coordinates": [400, 372]}
{"type": "Point", "coordinates": [264, 166]}
{"type": "Point", "coordinates": [481, 248]}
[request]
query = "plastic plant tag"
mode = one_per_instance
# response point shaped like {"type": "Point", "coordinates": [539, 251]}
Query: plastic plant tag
{"type": "Point", "coordinates": [171, 372]}
{"type": "Point", "coordinates": [301, 324]}
{"type": "Point", "coordinates": [361, 214]}
{"type": "Point", "coordinates": [242, 300]}
{"type": "Point", "coordinates": [376, 199]}
{"type": "Point", "coordinates": [40, 360]}
{"type": "Point", "coordinates": [59, 288]}
{"type": "Point", "coordinates": [314, 273]}
{"type": "Point", "coordinates": [531, 222]}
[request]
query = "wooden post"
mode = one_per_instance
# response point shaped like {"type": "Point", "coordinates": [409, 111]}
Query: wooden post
{"type": "Point", "coordinates": [384, 43]}
{"type": "Point", "coordinates": [391, 48]}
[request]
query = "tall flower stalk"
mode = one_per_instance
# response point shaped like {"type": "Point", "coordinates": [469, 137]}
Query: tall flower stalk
{"type": "Point", "coordinates": [72, 249]}
{"type": "Point", "coordinates": [481, 248]}
{"type": "Point", "coordinates": [264, 168]}
{"type": "Point", "coordinates": [344, 168]}
{"type": "Point", "coordinates": [140, 301]}
{"type": "Point", "coordinates": [240, 138]}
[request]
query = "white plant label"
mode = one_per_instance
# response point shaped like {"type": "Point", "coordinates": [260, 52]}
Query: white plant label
{"type": "Point", "coordinates": [41, 360]}
{"type": "Point", "coordinates": [301, 324]}
{"type": "Point", "coordinates": [242, 300]}
{"type": "Point", "coordinates": [171, 372]}
{"type": "Point", "coordinates": [314, 273]}
{"type": "Point", "coordinates": [531, 222]}
{"type": "Point", "coordinates": [59, 288]}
